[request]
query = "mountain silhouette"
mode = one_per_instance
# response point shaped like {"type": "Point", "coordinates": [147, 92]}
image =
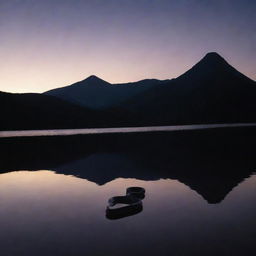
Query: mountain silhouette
{"type": "Point", "coordinates": [38, 111]}
{"type": "Point", "coordinates": [96, 93]}
{"type": "Point", "coordinates": [212, 91]}
{"type": "Point", "coordinates": [212, 69]}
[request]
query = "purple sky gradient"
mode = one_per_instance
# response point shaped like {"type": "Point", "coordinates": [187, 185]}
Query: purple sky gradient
{"type": "Point", "coordinates": [53, 43]}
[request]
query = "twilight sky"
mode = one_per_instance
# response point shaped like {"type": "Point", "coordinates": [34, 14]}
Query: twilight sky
{"type": "Point", "coordinates": [46, 44]}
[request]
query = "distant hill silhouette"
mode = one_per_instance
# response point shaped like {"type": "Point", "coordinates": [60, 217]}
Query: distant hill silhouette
{"type": "Point", "coordinates": [212, 91]}
{"type": "Point", "coordinates": [96, 93]}
{"type": "Point", "coordinates": [37, 111]}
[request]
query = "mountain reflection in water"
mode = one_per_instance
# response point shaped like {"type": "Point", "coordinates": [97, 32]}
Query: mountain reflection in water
{"type": "Point", "coordinates": [44, 213]}
{"type": "Point", "coordinates": [200, 194]}
{"type": "Point", "coordinates": [209, 162]}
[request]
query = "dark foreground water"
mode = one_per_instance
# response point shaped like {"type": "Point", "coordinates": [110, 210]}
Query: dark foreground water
{"type": "Point", "coordinates": [200, 194]}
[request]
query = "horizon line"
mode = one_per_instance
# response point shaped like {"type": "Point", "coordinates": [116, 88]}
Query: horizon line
{"type": "Point", "coordinates": [116, 130]}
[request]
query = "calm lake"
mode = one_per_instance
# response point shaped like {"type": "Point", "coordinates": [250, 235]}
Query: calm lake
{"type": "Point", "coordinates": [200, 193]}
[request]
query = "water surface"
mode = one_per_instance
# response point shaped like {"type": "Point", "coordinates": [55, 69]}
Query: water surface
{"type": "Point", "coordinates": [44, 213]}
{"type": "Point", "coordinates": [200, 193]}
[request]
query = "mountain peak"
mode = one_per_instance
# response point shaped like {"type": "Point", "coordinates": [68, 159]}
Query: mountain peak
{"type": "Point", "coordinates": [213, 56]}
{"type": "Point", "coordinates": [211, 61]}
{"type": "Point", "coordinates": [93, 77]}
{"type": "Point", "coordinates": [94, 80]}
{"type": "Point", "coordinates": [211, 66]}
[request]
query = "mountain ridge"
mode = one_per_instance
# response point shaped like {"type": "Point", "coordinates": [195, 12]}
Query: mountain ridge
{"type": "Point", "coordinates": [212, 91]}
{"type": "Point", "coordinates": [95, 93]}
